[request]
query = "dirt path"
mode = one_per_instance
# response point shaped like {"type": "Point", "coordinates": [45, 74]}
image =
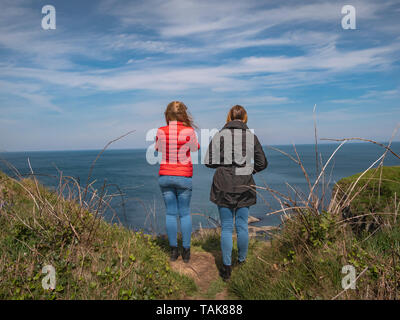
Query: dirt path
{"type": "Point", "coordinates": [202, 267]}
{"type": "Point", "coordinates": [203, 270]}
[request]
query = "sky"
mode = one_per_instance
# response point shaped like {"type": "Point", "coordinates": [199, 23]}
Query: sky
{"type": "Point", "coordinates": [112, 66]}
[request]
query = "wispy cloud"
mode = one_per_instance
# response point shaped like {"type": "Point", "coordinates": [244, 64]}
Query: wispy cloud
{"type": "Point", "coordinates": [129, 58]}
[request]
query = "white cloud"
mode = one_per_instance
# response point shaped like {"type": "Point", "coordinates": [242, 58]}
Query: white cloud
{"type": "Point", "coordinates": [222, 77]}
{"type": "Point", "coordinates": [381, 94]}
{"type": "Point", "coordinates": [212, 53]}
{"type": "Point", "coordinates": [33, 95]}
{"type": "Point", "coordinates": [177, 18]}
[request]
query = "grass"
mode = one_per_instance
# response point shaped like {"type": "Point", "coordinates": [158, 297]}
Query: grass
{"type": "Point", "coordinates": [92, 259]}
{"type": "Point", "coordinates": [377, 191]}
{"type": "Point", "coordinates": [97, 260]}
{"type": "Point", "coordinates": [216, 287]}
{"type": "Point", "coordinates": [305, 258]}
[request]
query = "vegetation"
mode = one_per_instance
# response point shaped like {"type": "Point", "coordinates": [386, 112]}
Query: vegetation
{"type": "Point", "coordinates": [92, 259]}
{"type": "Point", "coordinates": [305, 259]}
{"type": "Point", "coordinates": [376, 192]}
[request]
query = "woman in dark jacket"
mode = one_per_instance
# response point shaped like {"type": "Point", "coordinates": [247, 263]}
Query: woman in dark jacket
{"type": "Point", "coordinates": [236, 154]}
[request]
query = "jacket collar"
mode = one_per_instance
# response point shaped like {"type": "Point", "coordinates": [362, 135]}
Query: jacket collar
{"type": "Point", "coordinates": [235, 124]}
{"type": "Point", "coordinates": [179, 123]}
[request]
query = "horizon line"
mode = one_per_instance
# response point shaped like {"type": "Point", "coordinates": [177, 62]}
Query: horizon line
{"type": "Point", "coordinates": [144, 148]}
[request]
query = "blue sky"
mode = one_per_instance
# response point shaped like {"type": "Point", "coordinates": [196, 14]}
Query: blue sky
{"type": "Point", "coordinates": [113, 66]}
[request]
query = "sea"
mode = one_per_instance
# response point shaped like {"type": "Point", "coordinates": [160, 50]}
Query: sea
{"type": "Point", "coordinates": [133, 183]}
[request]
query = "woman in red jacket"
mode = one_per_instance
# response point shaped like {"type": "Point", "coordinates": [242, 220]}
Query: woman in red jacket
{"type": "Point", "coordinates": [176, 140]}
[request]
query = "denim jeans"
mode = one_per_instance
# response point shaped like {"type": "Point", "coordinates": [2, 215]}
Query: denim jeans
{"type": "Point", "coordinates": [241, 217]}
{"type": "Point", "coordinates": [177, 192]}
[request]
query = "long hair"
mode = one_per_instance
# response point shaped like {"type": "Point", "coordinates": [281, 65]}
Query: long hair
{"type": "Point", "coordinates": [177, 111]}
{"type": "Point", "coordinates": [237, 113]}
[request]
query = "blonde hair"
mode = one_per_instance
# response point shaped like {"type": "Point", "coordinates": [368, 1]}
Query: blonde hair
{"type": "Point", "coordinates": [177, 111]}
{"type": "Point", "coordinates": [237, 112]}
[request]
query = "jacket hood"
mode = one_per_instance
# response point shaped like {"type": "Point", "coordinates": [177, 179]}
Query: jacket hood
{"type": "Point", "coordinates": [235, 124]}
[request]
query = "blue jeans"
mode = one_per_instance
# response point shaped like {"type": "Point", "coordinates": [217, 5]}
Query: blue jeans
{"type": "Point", "coordinates": [177, 192]}
{"type": "Point", "coordinates": [241, 218]}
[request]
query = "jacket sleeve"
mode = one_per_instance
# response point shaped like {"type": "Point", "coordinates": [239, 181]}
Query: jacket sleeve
{"type": "Point", "coordinates": [195, 146]}
{"type": "Point", "coordinates": [158, 142]}
{"type": "Point", "coordinates": [260, 160]}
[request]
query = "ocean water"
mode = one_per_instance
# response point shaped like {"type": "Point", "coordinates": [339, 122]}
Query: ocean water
{"type": "Point", "coordinates": [138, 180]}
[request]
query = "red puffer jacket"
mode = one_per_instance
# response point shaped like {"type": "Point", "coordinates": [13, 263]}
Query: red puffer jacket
{"type": "Point", "coordinates": [176, 141]}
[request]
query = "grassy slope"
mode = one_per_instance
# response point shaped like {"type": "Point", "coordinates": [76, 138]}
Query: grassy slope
{"type": "Point", "coordinates": [306, 263]}
{"type": "Point", "coordinates": [374, 195]}
{"type": "Point", "coordinates": [93, 259]}
{"type": "Point", "coordinates": [115, 263]}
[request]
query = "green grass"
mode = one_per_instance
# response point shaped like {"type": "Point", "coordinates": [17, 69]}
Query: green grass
{"type": "Point", "coordinates": [377, 189]}
{"type": "Point", "coordinates": [306, 263]}
{"type": "Point", "coordinates": [290, 269]}
{"type": "Point", "coordinates": [92, 259]}
{"type": "Point", "coordinates": [215, 287]}
{"type": "Point", "coordinates": [96, 260]}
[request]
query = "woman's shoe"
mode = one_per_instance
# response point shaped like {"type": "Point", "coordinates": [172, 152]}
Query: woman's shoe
{"type": "Point", "coordinates": [226, 272]}
{"type": "Point", "coordinates": [240, 263]}
{"type": "Point", "coordinates": [186, 255]}
{"type": "Point", "coordinates": [174, 254]}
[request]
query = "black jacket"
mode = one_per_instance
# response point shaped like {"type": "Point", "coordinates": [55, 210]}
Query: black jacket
{"type": "Point", "coordinates": [234, 170]}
